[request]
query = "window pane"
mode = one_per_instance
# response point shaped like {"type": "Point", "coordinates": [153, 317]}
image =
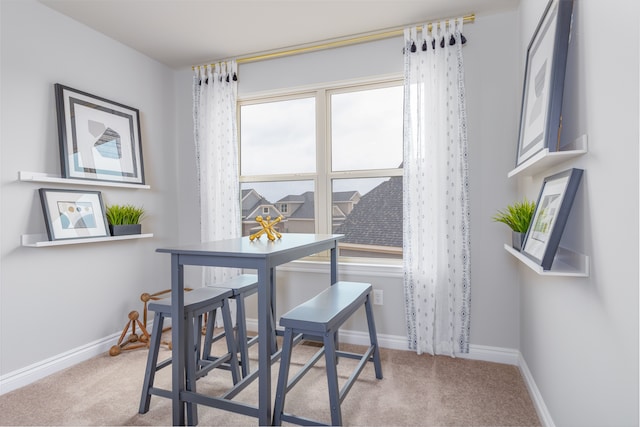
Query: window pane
{"type": "Point", "coordinates": [366, 129]}
{"type": "Point", "coordinates": [273, 133]}
{"type": "Point", "coordinates": [294, 200]}
{"type": "Point", "coordinates": [369, 213]}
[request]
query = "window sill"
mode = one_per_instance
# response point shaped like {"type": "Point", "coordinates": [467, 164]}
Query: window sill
{"type": "Point", "coordinates": [345, 268]}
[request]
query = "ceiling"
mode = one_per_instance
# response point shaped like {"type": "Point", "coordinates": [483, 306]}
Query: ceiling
{"type": "Point", "coordinates": [182, 33]}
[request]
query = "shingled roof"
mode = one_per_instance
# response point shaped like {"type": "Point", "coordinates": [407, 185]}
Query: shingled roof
{"type": "Point", "coordinates": [377, 218]}
{"type": "Point", "coordinates": [307, 205]}
{"type": "Point", "coordinates": [250, 205]}
{"type": "Point", "coordinates": [344, 196]}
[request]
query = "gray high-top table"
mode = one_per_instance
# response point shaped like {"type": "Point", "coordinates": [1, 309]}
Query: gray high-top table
{"type": "Point", "coordinates": [261, 255]}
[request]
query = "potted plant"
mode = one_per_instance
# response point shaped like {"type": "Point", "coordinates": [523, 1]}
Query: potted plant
{"type": "Point", "coordinates": [517, 217]}
{"type": "Point", "coordinates": [124, 219]}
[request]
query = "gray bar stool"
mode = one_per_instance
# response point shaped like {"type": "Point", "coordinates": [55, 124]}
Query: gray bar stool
{"type": "Point", "coordinates": [196, 304]}
{"type": "Point", "coordinates": [242, 286]}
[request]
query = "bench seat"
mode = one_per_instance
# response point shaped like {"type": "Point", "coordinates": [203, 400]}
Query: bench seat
{"type": "Point", "coordinates": [321, 317]}
{"type": "Point", "coordinates": [329, 309]}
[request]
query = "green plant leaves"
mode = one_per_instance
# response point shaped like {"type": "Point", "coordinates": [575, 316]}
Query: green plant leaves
{"type": "Point", "coordinates": [517, 216]}
{"type": "Point", "coordinates": [124, 214]}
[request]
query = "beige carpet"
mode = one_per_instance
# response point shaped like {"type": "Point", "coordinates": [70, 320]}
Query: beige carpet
{"type": "Point", "coordinates": [416, 391]}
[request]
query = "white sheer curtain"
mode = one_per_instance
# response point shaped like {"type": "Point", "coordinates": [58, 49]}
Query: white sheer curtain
{"type": "Point", "coordinates": [436, 185]}
{"type": "Point", "coordinates": [215, 133]}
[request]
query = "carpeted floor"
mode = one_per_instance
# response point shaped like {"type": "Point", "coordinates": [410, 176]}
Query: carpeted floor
{"type": "Point", "coordinates": [415, 391]}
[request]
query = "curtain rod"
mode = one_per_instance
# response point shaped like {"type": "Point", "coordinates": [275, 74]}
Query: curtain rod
{"type": "Point", "coordinates": [337, 43]}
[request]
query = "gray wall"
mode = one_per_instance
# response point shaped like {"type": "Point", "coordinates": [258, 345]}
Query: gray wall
{"type": "Point", "coordinates": [491, 74]}
{"type": "Point", "coordinates": [579, 336]}
{"type": "Point", "coordinates": [56, 299]}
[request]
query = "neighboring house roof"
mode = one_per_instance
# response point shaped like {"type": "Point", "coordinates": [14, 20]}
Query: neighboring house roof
{"type": "Point", "coordinates": [377, 218]}
{"type": "Point", "coordinates": [344, 196]}
{"type": "Point", "coordinates": [298, 198]}
{"type": "Point", "coordinates": [307, 208]}
{"type": "Point", "coordinates": [251, 205]}
{"type": "Point", "coordinates": [337, 213]}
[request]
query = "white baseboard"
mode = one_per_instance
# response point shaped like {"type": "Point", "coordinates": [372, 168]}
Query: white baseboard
{"type": "Point", "coordinates": [398, 342]}
{"type": "Point", "coordinates": [507, 356]}
{"type": "Point", "coordinates": [36, 371]}
{"type": "Point", "coordinates": [538, 402]}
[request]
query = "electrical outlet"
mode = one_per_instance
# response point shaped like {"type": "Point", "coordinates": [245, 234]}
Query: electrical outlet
{"type": "Point", "coordinates": [377, 296]}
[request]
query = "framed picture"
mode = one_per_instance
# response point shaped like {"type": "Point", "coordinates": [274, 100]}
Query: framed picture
{"type": "Point", "coordinates": [73, 214]}
{"type": "Point", "coordinates": [541, 112]}
{"type": "Point", "coordinates": [99, 139]}
{"type": "Point", "coordinates": [550, 217]}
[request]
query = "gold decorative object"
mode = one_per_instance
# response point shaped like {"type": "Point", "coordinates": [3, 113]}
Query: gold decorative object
{"type": "Point", "coordinates": [267, 227]}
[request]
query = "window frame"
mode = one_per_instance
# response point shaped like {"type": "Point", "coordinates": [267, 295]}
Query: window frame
{"type": "Point", "coordinates": [324, 175]}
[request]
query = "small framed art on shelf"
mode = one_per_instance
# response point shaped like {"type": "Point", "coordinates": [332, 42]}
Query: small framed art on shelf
{"type": "Point", "coordinates": [550, 216]}
{"type": "Point", "coordinates": [73, 214]}
{"type": "Point", "coordinates": [99, 139]}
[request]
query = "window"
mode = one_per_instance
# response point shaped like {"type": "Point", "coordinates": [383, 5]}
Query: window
{"type": "Point", "coordinates": [327, 161]}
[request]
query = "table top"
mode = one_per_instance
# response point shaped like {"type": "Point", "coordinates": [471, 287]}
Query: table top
{"type": "Point", "coordinates": [258, 248]}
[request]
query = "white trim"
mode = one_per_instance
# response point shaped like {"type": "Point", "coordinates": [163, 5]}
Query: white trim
{"type": "Point", "coordinates": [313, 87]}
{"type": "Point", "coordinates": [536, 396]}
{"type": "Point", "coordinates": [32, 373]}
{"type": "Point", "coordinates": [507, 356]}
{"type": "Point", "coordinates": [37, 371]}
{"type": "Point", "coordinates": [360, 269]}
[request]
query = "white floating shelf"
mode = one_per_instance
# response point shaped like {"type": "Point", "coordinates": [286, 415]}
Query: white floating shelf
{"type": "Point", "coordinates": [545, 159]}
{"type": "Point", "coordinates": [43, 177]}
{"type": "Point", "coordinates": [41, 241]}
{"type": "Point", "coordinates": [566, 263]}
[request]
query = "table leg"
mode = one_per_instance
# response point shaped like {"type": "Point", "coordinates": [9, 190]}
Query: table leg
{"type": "Point", "coordinates": [334, 263]}
{"type": "Point", "coordinates": [177, 339]}
{"type": "Point", "coordinates": [272, 281]}
{"type": "Point", "coordinates": [334, 279]}
{"type": "Point", "coordinates": [265, 282]}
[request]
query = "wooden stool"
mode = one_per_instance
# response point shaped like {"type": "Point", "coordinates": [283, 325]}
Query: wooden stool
{"type": "Point", "coordinates": [196, 304]}
{"type": "Point", "coordinates": [320, 318]}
